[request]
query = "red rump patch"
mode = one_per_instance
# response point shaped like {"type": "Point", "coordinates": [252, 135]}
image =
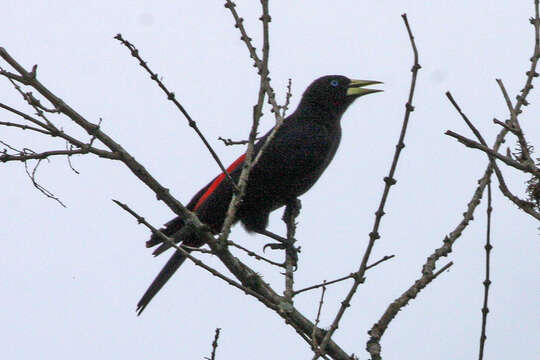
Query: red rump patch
{"type": "Point", "coordinates": [218, 181]}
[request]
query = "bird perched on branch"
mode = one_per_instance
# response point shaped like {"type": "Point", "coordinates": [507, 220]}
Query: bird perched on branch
{"type": "Point", "coordinates": [292, 162]}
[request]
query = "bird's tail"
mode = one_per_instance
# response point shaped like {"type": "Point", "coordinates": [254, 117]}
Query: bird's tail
{"type": "Point", "coordinates": [168, 229]}
{"type": "Point", "coordinates": [164, 275]}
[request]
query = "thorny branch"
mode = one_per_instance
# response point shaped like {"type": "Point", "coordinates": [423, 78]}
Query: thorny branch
{"type": "Point", "coordinates": [523, 166]}
{"type": "Point", "coordinates": [524, 205]}
{"type": "Point", "coordinates": [379, 328]}
{"type": "Point", "coordinates": [316, 349]}
{"type": "Point", "coordinates": [288, 96]}
{"type": "Point", "coordinates": [292, 210]}
{"type": "Point", "coordinates": [487, 282]}
{"type": "Point", "coordinates": [284, 108]}
{"type": "Point", "coordinates": [350, 276]}
{"type": "Point", "coordinates": [171, 96]}
{"type": "Point", "coordinates": [254, 254]}
{"type": "Point", "coordinates": [389, 181]}
{"type": "Point", "coordinates": [258, 63]}
{"type": "Point", "coordinates": [214, 345]}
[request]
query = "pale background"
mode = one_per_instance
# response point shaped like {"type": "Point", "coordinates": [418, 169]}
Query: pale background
{"type": "Point", "coordinates": [70, 278]}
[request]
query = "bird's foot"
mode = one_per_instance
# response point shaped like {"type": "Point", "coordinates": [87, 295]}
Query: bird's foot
{"type": "Point", "coordinates": [282, 244]}
{"type": "Point", "coordinates": [291, 250]}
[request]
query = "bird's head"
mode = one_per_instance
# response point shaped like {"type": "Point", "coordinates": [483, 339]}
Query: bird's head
{"type": "Point", "coordinates": [334, 93]}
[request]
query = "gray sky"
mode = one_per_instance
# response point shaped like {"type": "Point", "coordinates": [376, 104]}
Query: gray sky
{"type": "Point", "coordinates": [70, 278]}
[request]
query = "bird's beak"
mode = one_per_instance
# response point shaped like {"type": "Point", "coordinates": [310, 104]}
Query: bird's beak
{"type": "Point", "coordinates": [356, 87]}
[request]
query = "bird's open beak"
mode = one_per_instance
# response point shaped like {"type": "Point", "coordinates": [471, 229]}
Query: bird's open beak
{"type": "Point", "coordinates": [356, 87]}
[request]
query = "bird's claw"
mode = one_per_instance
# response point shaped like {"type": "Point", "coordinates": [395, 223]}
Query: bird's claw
{"type": "Point", "coordinates": [291, 250]}
{"type": "Point", "coordinates": [275, 246]}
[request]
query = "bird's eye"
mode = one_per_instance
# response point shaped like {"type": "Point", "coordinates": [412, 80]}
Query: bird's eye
{"type": "Point", "coordinates": [334, 83]}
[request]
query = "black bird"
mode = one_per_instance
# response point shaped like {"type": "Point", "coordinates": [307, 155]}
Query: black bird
{"type": "Point", "coordinates": [295, 158]}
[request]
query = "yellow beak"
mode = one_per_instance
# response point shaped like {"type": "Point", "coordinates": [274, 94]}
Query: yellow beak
{"type": "Point", "coordinates": [356, 87]}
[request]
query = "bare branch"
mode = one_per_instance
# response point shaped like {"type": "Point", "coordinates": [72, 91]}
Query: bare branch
{"type": "Point", "coordinates": [525, 167]}
{"type": "Point", "coordinates": [29, 97]}
{"type": "Point", "coordinates": [171, 96]}
{"type": "Point", "coordinates": [315, 347]}
{"type": "Point", "coordinates": [214, 345]}
{"type": "Point", "coordinates": [504, 125]}
{"type": "Point", "coordinates": [229, 142]}
{"type": "Point", "coordinates": [524, 205]}
{"type": "Point", "coordinates": [389, 181]}
{"type": "Point", "coordinates": [376, 332]}
{"type": "Point", "coordinates": [254, 254]}
{"type": "Point", "coordinates": [350, 276]}
{"type": "Point", "coordinates": [292, 210]}
{"type": "Point", "coordinates": [522, 98]}
{"type": "Point", "coordinates": [43, 190]}
{"type": "Point", "coordinates": [487, 281]}
{"type": "Point", "coordinates": [51, 130]}
{"type": "Point", "coordinates": [29, 118]}
{"type": "Point", "coordinates": [258, 63]}
{"type": "Point", "coordinates": [516, 128]}
{"type": "Point", "coordinates": [26, 155]}
{"type": "Point", "coordinates": [380, 327]}
{"type": "Point", "coordinates": [24, 127]}
{"type": "Point", "coordinates": [288, 96]}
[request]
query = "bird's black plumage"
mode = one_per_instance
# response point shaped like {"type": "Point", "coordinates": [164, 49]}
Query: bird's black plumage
{"type": "Point", "coordinates": [295, 158]}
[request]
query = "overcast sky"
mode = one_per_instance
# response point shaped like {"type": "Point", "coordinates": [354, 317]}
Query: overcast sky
{"type": "Point", "coordinates": [70, 278]}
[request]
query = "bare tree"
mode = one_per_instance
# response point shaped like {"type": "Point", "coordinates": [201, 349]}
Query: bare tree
{"type": "Point", "coordinates": [49, 108]}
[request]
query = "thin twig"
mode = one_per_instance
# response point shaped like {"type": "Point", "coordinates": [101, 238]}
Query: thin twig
{"type": "Point", "coordinates": [24, 127]}
{"type": "Point", "coordinates": [53, 131]}
{"type": "Point", "coordinates": [350, 276]}
{"type": "Point", "coordinates": [504, 125]}
{"type": "Point", "coordinates": [36, 103]}
{"type": "Point", "coordinates": [522, 98]}
{"type": "Point", "coordinates": [523, 166]}
{"type": "Point", "coordinates": [214, 345]}
{"type": "Point", "coordinates": [229, 142]}
{"type": "Point", "coordinates": [315, 347]}
{"type": "Point", "coordinates": [291, 256]}
{"type": "Point", "coordinates": [29, 118]}
{"type": "Point", "coordinates": [389, 181]}
{"type": "Point", "coordinates": [254, 254]}
{"type": "Point", "coordinates": [31, 100]}
{"type": "Point", "coordinates": [515, 126]}
{"type": "Point", "coordinates": [522, 204]}
{"type": "Point", "coordinates": [258, 63]}
{"type": "Point", "coordinates": [171, 96]}
{"type": "Point", "coordinates": [288, 96]}
{"type": "Point", "coordinates": [42, 189]}
{"type": "Point", "coordinates": [69, 147]}
{"type": "Point", "coordinates": [25, 156]}
{"type": "Point", "coordinates": [487, 282]}
{"type": "Point", "coordinates": [376, 332]}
